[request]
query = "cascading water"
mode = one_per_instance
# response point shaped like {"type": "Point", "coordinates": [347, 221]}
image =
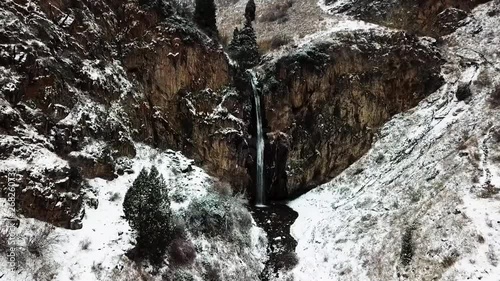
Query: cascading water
{"type": "Point", "coordinates": [259, 198]}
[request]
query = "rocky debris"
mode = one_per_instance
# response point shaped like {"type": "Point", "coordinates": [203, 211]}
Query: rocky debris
{"type": "Point", "coordinates": [430, 18]}
{"type": "Point", "coordinates": [324, 102]}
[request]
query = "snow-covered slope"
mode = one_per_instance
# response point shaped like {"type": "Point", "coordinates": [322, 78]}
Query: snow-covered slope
{"type": "Point", "coordinates": [423, 203]}
{"type": "Point", "coordinates": [97, 251]}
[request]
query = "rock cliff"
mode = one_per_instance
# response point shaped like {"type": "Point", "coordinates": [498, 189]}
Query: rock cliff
{"type": "Point", "coordinates": [77, 75]}
{"type": "Point", "coordinates": [325, 102]}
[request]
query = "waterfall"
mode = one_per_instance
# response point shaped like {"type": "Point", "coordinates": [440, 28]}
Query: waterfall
{"type": "Point", "coordinates": [259, 199]}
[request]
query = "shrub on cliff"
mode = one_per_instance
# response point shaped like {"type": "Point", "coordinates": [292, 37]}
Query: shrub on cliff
{"type": "Point", "coordinates": [250, 11]}
{"type": "Point", "coordinates": [216, 215]}
{"type": "Point", "coordinates": [463, 92]}
{"type": "Point", "coordinates": [147, 210]}
{"type": "Point", "coordinates": [204, 16]}
{"type": "Point", "coordinates": [243, 47]}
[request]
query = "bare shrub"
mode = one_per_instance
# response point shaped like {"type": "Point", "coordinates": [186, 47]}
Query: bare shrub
{"type": "Point", "coordinates": [222, 187]}
{"type": "Point", "coordinates": [182, 252]}
{"type": "Point", "coordinates": [480, 239]}
{"type": "Point", "coordinates": [42, 240]}
{"type": "Point", "coordinates": [450, 259]}
{"type": "Point", "coordinates": [488, 190]}
{"type": "Point", "coordinates": [492, 257]}
{"type": "Point", "coordinates": [4, 238]}
{"type": "Point", "coordinates": [277, 12]}
{"type": "Point", "coordinates": [215, 215]}
{"type": "Point", "coordinates": [85, 244]}
{"type": "Point", "coordinates": [115, 197]}
{"type": "Point", "coordinates": [45, 272]}
{"type": "Point", "coordinates": [97, 269]}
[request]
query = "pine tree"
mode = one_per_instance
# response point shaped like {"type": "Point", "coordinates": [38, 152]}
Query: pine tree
{"type": "Point", "coordinates": [250, 11]}
{"type": "Point", "coordinates": [243, 47]}
{"type": "Point", "coordinates": [147, 209]}
{"type": "Point", "coordinates": [204, 16]}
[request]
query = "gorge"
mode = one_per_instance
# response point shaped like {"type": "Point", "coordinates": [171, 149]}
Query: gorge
{"type": "Point", "coordinates": [296, 140]}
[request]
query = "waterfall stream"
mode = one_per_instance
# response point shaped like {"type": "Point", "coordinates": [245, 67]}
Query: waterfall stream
{"type": "Point", "coordinates": [259, 198]}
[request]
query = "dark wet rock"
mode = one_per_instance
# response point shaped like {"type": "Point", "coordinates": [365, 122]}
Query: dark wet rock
{"type": "Point", "coordinates": [276, 220]}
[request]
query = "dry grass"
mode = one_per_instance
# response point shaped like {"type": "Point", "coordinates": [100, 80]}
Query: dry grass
{"type": "Point", "coordinates": [278, 11]}
{"type": "Point", "coordinates": [274, 43]}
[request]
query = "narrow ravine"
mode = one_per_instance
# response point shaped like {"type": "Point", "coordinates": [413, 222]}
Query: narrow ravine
{"type": "Point", "coordinates": [276, 219]}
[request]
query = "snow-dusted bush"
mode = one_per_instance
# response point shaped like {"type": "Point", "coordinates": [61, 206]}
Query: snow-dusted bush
{"type": "Point", "coordinates": [147, 209]}
{"type": "Point", "coordinates": [212, 271]}
{"type": "Point", "coordinates": [216, 215]}
{"type": "Point", "coordinates": [407, 247]}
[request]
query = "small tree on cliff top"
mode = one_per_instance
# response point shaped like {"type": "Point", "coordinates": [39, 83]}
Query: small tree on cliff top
{"type": "Point", "coordinates": [250, 11]}
{"type": "Point", "coordinates": [204, 16]}
{"type": "Point", "coordinates": [147, 209]}
{"type": "Point", "coordinates": [243, 47]}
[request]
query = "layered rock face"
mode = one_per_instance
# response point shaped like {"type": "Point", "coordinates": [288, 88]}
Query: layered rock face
{"type": "Point", "coordinates": [324, 103]}
{"type": "Point", "coordinates": [431, 18]}
{"type": "Point", "coordinates": [81, 80]}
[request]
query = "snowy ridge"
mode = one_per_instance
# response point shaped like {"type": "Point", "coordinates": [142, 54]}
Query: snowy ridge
{"type": "Point", "coordinates": [426, 175]}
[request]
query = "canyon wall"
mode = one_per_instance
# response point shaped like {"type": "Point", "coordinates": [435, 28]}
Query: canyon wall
{"type": "Point", "coordinates": [325, 102]}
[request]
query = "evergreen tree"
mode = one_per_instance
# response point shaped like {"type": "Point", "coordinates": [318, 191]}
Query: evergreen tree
{"type": "Point", "coordinates": [250, 11]}
{"type": "Point", "coordinates": [147, 209]}
{"type": "Point", "coordinates": [204, 16]}
{"type": "Point", "coordinates": [234, 44]}
{"type": "Point", "coordinates": [243, 47]}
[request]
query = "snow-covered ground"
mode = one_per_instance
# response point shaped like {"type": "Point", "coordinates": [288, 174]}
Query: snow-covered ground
{"type": "Point", "coordinates": [97, 251]}
{"type": "Point", "coordinates": [422, 187]}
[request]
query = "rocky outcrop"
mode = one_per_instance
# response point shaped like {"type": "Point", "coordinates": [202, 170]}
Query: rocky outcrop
{"type": "Point", "coordinates": [324, 103]}
{"type": "Point", "coordinates": [428, 17]}
{"type": "Point", "coordinates": [85, 79]}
